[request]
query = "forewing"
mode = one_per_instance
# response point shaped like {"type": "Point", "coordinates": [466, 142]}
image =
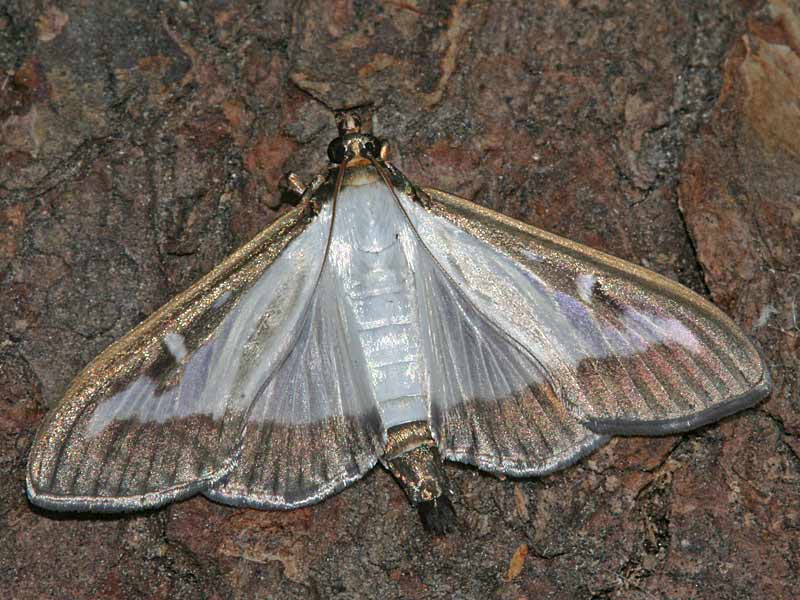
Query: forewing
{"type": "Point", "coordinates": [160, 414]}
{"type": "Point", "coordinates": [627, 351]}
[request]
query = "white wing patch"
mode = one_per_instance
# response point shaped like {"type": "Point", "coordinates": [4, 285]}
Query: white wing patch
{"type": "Point", "coordinates": [176, 346]}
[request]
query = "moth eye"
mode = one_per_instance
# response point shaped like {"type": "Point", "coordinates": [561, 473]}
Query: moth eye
{"type": "Point", "coordinates": [372, 148]}
{"type": "Point", "coordinates": [336, 151]}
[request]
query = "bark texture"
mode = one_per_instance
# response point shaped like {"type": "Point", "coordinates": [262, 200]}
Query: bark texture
{"type": "Point", "coordinates": [142, 140]}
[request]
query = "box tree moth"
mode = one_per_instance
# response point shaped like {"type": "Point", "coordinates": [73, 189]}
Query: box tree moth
{"type": "Point", "coordinates": [381, 322]}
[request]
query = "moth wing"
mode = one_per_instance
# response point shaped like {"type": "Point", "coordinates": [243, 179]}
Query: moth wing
{"type": "Point", "coordinates": [491, 403]}
{"type": "Point", "coordinates": [160, 414]}
{"type": "Point", "coordinates": [590, 345]}
{"type": "Point", "coordinates": [316, 426]}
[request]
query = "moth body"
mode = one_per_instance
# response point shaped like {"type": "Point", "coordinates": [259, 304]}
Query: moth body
{"type": "Point", "coordinates": [369, 253]}
{"type": "Point", "coordinates": [373, 254]}
{"type": "Point", "coordinates": [381, 322]}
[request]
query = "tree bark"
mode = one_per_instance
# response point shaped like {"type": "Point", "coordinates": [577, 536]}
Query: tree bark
{"type": "Point", "coordinates": [142, 141]}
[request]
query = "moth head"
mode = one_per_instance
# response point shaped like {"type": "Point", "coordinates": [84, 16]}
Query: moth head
{"type": "Point", "coordinates": [352, 144]}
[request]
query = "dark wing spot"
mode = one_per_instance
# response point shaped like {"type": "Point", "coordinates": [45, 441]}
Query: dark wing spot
{"type": "Point", "coordinates": [600, 294]}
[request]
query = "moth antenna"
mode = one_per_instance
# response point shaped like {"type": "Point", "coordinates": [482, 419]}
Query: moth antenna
{"type": "Point", "coordinates": [382, 172]}
{"type": "Point", "coordinates": [336, 189]}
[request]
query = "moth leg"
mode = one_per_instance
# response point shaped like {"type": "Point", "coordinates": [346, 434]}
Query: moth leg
{"type": "Point", "coordinates": [311, 206]}
{"type": "Point", "coordinates": [413, 459]}
{"type": "Point", "coordinates": [295, 184]}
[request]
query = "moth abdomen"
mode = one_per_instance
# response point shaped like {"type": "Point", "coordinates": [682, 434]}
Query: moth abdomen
{"type": "Point", "coordinates": [412, 457]}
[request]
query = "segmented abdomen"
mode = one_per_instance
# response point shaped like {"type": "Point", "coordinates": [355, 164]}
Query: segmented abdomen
{"type": "Point", "coordinates": [384, 302]}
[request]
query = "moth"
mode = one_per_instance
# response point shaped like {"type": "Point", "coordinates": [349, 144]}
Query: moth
{"type": "Point", "coordinates": [380, 322]}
